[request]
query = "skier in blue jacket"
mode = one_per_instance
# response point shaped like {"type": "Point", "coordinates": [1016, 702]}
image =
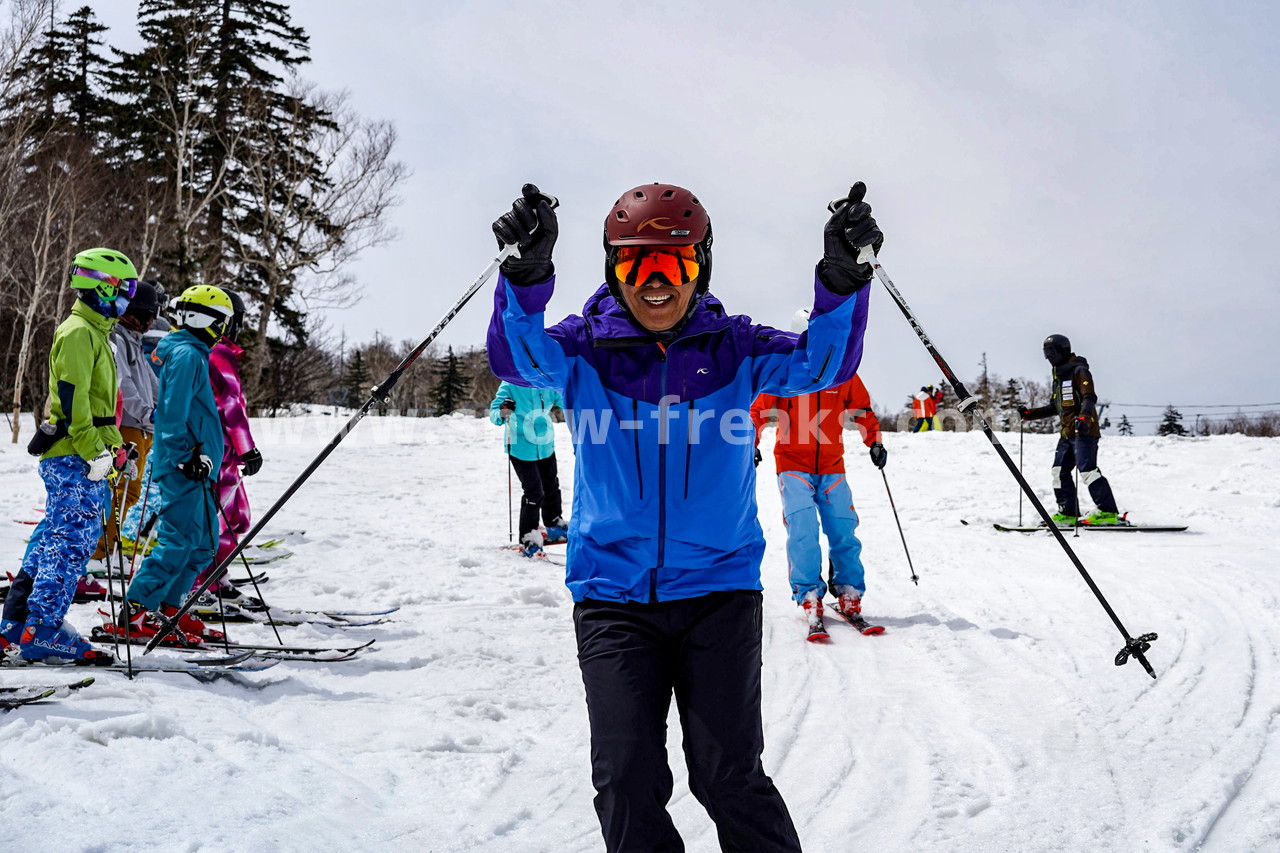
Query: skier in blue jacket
{"type": "Point", "coordinates": [665, 545]}
{"type": "Point", "coordinates": [529, 437]}
{"type": "Point", "coordinates": [186, 458]}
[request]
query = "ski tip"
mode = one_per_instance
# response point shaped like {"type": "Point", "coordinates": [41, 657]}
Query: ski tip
{"type": "Point", "coordinates": [873, 630]}
{"type": "Point", "coordinates": [818, 637]}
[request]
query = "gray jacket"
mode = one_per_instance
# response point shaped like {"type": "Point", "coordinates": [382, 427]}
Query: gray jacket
{"type": "Point", "coordinates": [138, 381]}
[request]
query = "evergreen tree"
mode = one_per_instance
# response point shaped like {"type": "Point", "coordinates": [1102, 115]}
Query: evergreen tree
{"type": "Point", "coordinates": [356, 382]}
{"type": "Point", "coordinates": [1009, 403]}
{"type": "Point", "coordinates": [1125, 427]}
{"type": "Point", "coordinates": [451, 387]}
{"type": "Point", "coordinates": [204, 91]}
{"type": "Point", "coordinates": [1172, 423]}
{"type": "Point", "coordinates": [63, 77]}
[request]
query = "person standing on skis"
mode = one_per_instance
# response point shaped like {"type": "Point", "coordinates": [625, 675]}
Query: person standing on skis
{"type": "Point", "coordinates": [1075, 402]}
{"type": "Point", "coordinates": [239, 452]}
{"type": "Point", "coordinates": [924, 408]}
{"type": "Point", "coordinates": [530, 440]}
{"type": "Point", "coordinates": [79, 448]}
{"type": "Point", "coordinates": [186, 456]}
{"type": "Point", "coordinates": [809, 453]}
{"type": "Point", "coordinates": [665, 545]}
{"type": "Point", "coordinates": [138, 385]}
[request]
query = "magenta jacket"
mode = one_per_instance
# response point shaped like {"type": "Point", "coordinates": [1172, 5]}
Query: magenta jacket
{"type": "Point", "coordinates": [224, 377]}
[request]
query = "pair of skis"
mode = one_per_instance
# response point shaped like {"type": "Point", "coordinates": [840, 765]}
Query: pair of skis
{"type": "Point", "coordinates": [202, 667]}
{"type": "Point", "coordinates": [18, 695]}
{"type": "Point", "coordinates": [818, 628]}
{"type": "Point", "coordinates": [303, 654]}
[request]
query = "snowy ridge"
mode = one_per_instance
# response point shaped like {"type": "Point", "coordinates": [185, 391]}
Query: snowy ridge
{"type": "Point", "coordinates": [988, 717]}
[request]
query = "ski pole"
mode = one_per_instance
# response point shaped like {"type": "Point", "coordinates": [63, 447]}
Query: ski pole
{"type": "Point", "coordinates": [914, 579]}
{"type": "Point", "coordinates": [111, 594]}
{"type": "Point", "coordinates": [1133, 647]}
{"type": "Point", "coordinates": [223, 511]}
{"type": "Point", "coordinates": [1020, 432]}
{"type": "Point", "coordinates": [510, 512]}
{"type": "Point", "coordinates": [381, 393]}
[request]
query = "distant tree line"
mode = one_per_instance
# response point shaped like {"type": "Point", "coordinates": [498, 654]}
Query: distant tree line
{"type": "Point", "coordinates": [999, 399]}
{"type": "Point", "coordinates": [438, 383]}
{"type": "Point", "coordinates": [203, 156]}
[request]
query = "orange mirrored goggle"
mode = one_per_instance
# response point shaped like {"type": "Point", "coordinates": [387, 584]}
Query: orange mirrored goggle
{"type": "Point", "coordinates": [635, 265]}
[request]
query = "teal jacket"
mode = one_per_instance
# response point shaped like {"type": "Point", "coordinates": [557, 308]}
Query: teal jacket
{"type": "Point", "coordinates": [530, 432]}
{"type": "Point", "coordinates": [186, 414]}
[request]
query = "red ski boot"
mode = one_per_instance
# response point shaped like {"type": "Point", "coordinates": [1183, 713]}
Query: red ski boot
{"type": "Point", "coordinates": [189, 624]}
{"type": "Point", "coordinates": [137, 625]}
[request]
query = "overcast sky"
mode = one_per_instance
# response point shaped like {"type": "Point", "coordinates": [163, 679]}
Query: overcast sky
{"type": "Point", "coordinates": [1108, 171]}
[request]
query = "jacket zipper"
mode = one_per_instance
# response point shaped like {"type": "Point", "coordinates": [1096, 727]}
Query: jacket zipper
{"type": "Point", "coordinates": [688, 450]}
{"type": "Point", "coordinates": [662, 481]}
{"type": "Point", "coordinates": [635, 443]}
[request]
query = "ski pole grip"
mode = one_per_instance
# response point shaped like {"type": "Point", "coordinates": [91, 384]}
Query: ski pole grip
{"type": "Point", "coordinates": [529, 192]}
{"type": "Point", "coordinates": [867, 255]}
{"type": "Point", "coordinates": [857, 193]}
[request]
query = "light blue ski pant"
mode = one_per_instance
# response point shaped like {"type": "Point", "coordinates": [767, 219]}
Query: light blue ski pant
{"type": "Point", "coordinates": [806, 498]}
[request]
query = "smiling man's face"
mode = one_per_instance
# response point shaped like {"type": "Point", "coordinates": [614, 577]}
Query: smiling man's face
{"type": "Point", "coordinates": [657, 305]}
{"type": "Point", "coordinates": [666, 279]}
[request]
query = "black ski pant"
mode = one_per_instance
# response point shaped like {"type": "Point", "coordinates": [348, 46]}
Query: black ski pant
{"type": "Point", "coordinates": [540, 484]}
{"type": "Point", "coordinates": [1080, 452]}
{"type": "Point", "coordinates": [705, 651]}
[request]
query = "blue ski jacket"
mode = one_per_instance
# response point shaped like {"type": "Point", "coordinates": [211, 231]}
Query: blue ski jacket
{"type": "Point", "coordinates": [529, 433]}
{"type": "Point", "coordinates": [664, 499]}
{"type": "Point", "coordinates": [186, 414]}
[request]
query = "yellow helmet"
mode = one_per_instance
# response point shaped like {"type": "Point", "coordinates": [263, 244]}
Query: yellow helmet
{"type": "Point", "coordinates": [205, 311]}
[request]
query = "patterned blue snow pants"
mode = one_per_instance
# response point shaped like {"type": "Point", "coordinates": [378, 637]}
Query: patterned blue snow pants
{"type": "Point", "coordinates": [61, 543]}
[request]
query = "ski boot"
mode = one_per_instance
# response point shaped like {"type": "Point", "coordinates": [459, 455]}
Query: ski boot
{"type": "Point", "coordinates": [849, 604]}
{"type": "Point", "coordinates": [10, 636]}
{"type": "Point", "coordinates": [193, 626]}
{"type": "Point", "coordinates": [63, 643]}
{"type": "Point", "coordinates": [1063, 520]}
{"type": "Point", "coordinates": [136, 624]}
{"type": "Point", "coordinates": [557, 532]}
{"type": "Point", "coordinates": [812, 605]}
{"type": "Point", "coordinates": [232, 594]}
{"type": "Point", "coordinates": [209, 606]}
{"type": "Point", "coordinates": [1100, 518]}
{"type": "Point", "coordinates": [88, 589]}
{"type": "Point", "coordinates": [531, 545]}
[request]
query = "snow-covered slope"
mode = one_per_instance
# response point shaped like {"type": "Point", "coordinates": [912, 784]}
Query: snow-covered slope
{"type": "Point", "coordinates": [989, 717]}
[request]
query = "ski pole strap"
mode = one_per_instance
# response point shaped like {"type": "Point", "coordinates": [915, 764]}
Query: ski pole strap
{"type": "Point", "coordinates": [1137, 648]}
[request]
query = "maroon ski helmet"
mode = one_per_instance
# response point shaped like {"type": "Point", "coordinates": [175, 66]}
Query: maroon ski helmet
{"type": "Point", "coordinates": [659, 215]}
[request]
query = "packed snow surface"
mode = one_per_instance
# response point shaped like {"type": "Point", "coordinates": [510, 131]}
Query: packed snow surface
{"type": "Point", "coordinates": [988, 717]}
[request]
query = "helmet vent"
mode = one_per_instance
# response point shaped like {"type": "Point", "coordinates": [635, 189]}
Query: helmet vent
{"type": "Point", "coordinates": [640, 194]}
{"type": "Point", "coordinates": [668, 193]}
{"type": "Point", "coordinates": [622, 216]}
{"type": "Point", "coordinates": [688, 213]}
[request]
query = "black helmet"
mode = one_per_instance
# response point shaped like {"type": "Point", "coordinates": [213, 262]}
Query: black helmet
{"type": "Point", "coordinates": [1057, 349]}
{"type": "Point", "coordinates": [145, 304]}
{"type": "Point", "coordinates": [237, 317]}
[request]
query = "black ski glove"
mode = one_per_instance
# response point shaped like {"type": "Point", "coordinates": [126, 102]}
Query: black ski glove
{"type": "Point", "coordinates": [879, 456]}
{"type": "Point", "coordinates": [759, 457]}
{"type": "Point", "coordinates": [849, 229]}
{"type": "Point", "coordinates": [506, 409]}
{"type": "Point", "coordinates": [530, 224]}
{"type": "Point", "coordinates": [198, 467]}
{"type": "Point", "coordinates": [252, 461]}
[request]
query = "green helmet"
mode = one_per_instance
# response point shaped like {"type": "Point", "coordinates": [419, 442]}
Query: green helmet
{"type": "Point", "coordinates": [106, 272]}
{"type": "Point", "coordinates": [204, 310]}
